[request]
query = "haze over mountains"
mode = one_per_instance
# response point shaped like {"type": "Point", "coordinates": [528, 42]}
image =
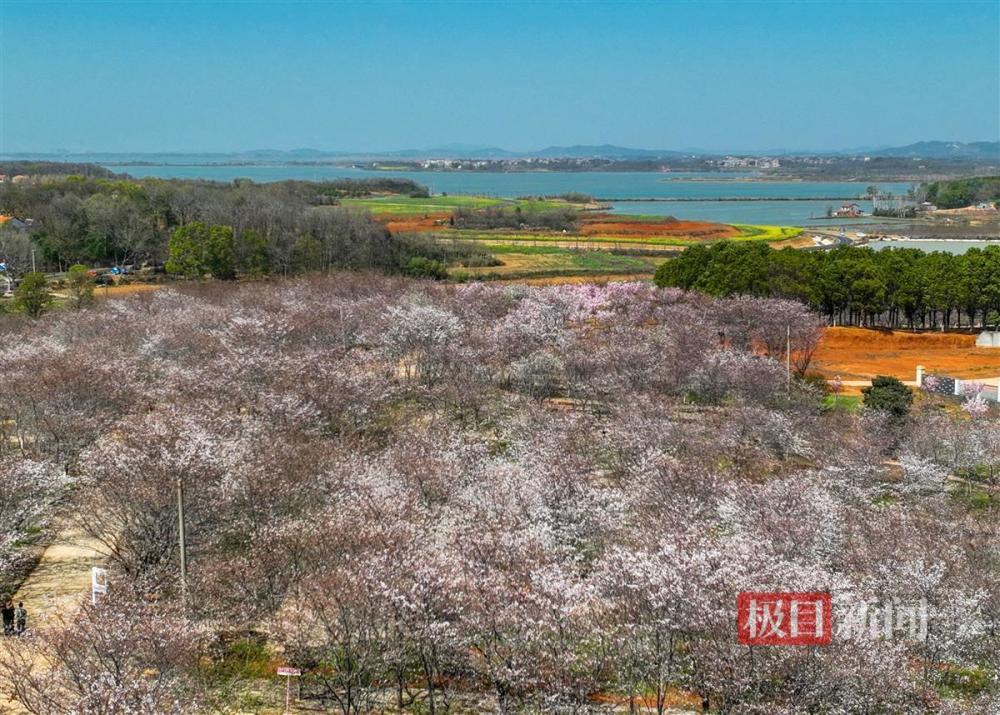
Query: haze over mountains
{"type": "Point", "coordinates": [983, 150]}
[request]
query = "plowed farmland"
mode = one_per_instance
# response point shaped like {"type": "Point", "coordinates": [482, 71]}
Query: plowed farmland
{"type": "Point", "coordinates": [417, 224]}
{"type": "Point", "coordinates": [611, 225]}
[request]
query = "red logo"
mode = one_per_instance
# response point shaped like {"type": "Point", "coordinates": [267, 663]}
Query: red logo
{"type": "Point", "coordinates": [783, 618]}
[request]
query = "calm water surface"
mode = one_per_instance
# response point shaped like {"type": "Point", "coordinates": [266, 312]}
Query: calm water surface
{"type": "Point", "coordinates": [701, 191]}
{"type": "Point", "coordinates": [794, 213]}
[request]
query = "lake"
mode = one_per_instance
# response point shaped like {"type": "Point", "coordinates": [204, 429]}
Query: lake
{"type": "Point", "coordinates": [700, 191]}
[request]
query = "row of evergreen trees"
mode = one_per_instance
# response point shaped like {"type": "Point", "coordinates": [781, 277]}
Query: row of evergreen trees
{"type": "Point", "coordinates": [851, 285]}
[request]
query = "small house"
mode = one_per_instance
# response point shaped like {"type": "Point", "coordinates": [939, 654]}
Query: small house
{"type": "Point", "coordinates": [849, 210]}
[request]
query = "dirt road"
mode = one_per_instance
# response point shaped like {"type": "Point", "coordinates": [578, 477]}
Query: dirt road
{"type": "Point", "coordinates": [59, 583]}
{"type": "Point", "coordinates": [61, 580]}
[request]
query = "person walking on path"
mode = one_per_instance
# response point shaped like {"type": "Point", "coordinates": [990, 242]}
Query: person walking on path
{"type": "Point", "coordinates": [20, 618]}
{"type": "Point", "coordinates": [8, 616]}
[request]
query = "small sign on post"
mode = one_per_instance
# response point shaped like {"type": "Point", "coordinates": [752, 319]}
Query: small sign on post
{"type": "Point", "coordinates": [289, 673]}
{"type": "Point", "coordinates": [98, 583]}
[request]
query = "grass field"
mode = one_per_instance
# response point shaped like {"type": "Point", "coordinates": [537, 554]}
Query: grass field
{"type": "Point", "coordinates": [549, 261]}
{"type": "Point", "coordinates": [495, 238]}
{"type": "Point", "coordinates": [848, 403]}
{"type": "Point", "coordinates": [749, 232]}
{"type": "Point", "coordinates": [767, 234]}
{"type": "Point", "coordinates": [407, 206]}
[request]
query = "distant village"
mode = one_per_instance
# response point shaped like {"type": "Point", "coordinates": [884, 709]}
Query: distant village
{"type": "Point", "coordinates": [593, 163]}
{"type": "Point", "coordinates": [805, 167]}
{"type": "Point", "coordinates": [747, 162]}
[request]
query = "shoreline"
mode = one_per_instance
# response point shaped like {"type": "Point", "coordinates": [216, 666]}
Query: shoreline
{"type": "Point", "coordinates": [667, 176]}
{"type": "Point", "coordinates": [733, 199]}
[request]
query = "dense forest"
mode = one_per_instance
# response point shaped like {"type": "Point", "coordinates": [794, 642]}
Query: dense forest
{"type": "Point", "coordinates": [484, 498]}
{"type": "Point", "coordinates": [851, 285]}
{"type": "Point", "coordinates": [285, 227]}
{"type": "Point", "coordinates": [53, 168]}
{"type": "Point", "coordinates": [560, 219]}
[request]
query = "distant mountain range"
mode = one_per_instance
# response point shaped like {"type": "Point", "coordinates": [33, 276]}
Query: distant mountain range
{"type": "Point", "coordinates": [944, 150]}
{"type": "Point", "coordinates": [980, 151]}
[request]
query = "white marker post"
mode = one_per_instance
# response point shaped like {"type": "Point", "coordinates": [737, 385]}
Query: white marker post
{"type": "Point", "coordinates": [289, 673]}
{"type": "Point", "coordinates": [98, 583]}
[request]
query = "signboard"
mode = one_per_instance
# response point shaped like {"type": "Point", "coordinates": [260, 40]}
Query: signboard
{"type": "Point", "coordinates": [98, 582]}
{"type": "Point", "coordinates": [289, 673]}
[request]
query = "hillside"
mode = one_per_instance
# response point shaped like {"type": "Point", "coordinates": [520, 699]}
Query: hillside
{"type": "Point", "coordinates": [981, 151]}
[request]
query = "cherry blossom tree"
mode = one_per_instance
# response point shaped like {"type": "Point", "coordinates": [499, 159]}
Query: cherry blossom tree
{"type": "Point", "coordinates": [377, 484]}
{"type": "Point", "coordinates": [125, 655]}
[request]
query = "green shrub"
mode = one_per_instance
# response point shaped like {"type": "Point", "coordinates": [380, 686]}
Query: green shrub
{"type": "Point", "coordinates": [889, 394]}
{"type": "Point", "coordinates": [420, 267]}
{"type": "Point", "coordinates": [80, 285]}
{"type": "Point", "coordinates": [966, 681]}
{"type": "Point", "coordinates": [241, 657]}
{"type": "Point", "coordinates": [33, 296]}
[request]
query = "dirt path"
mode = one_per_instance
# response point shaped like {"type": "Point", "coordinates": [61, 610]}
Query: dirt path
{"type": "Point", "coordinates": [854, 387]}
{"type": "Point", "coordinates": [58, 584]}
{"type": "Point", "coordinates": [61, 579]}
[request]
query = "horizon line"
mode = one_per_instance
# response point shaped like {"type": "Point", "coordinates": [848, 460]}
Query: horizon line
{"type": "Point", "coordinates": [472, 148]}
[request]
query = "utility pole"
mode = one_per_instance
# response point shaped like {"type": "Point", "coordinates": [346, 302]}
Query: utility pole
{"type": "Point", "coordinates": [788, 359]}
{"type": "Point", "coordinates": [33, 260]}
{"type": "Point", "coordinates": [183, 545]}
{"type": "Point", "coordinates": [343, 328]}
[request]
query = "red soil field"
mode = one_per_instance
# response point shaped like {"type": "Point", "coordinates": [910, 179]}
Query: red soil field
{"type": "Point", "coordinates": [859, 354]}
{"type": "Point", "coordinates": [416, 224]}
{"type": "Point", "coordinates": [611, 225]}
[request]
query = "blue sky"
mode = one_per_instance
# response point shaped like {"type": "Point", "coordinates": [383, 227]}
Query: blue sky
{"type": "Point", "coordinates": [226, 76]}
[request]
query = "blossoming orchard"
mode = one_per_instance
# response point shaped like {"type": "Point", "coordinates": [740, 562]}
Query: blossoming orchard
{"type": "Point", "coordinates": [435, 498]}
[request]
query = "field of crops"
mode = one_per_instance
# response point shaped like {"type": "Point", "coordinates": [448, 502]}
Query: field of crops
{"type": "Point", "coordinates": [749, 232]}
{"type": "Point", "coordinates": [550, 261]}
{"type": "Point", "coordinates": [767, 234]}
{"type": "Point", "coordinates": [596, 242]}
